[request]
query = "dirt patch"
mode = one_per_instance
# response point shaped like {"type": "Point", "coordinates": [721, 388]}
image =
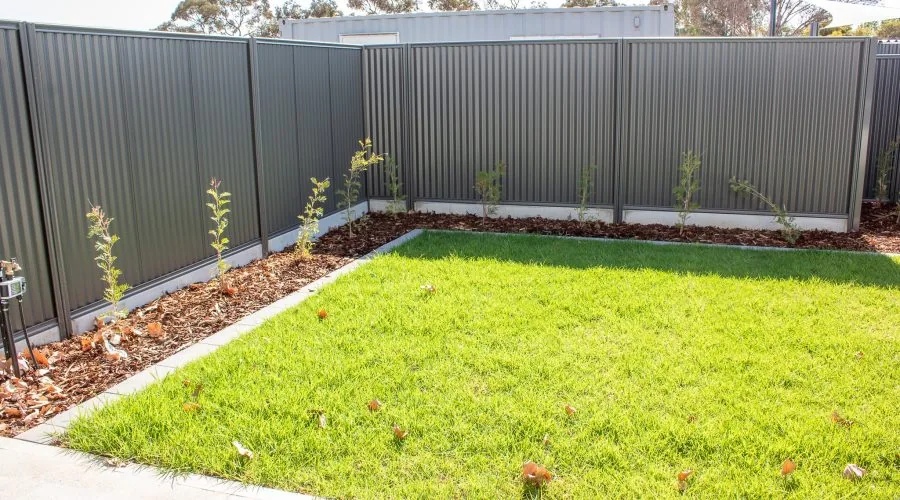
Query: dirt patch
{"type": "Point", "coordinates": [78, 370]}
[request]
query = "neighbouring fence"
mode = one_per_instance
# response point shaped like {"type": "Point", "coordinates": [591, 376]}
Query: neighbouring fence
{"type": "Point", "coordinates": [787, 114]}
{"type": "Point", "coordinates": [885, 116]}
{"type": "Point", "coordinates": [139, 123]}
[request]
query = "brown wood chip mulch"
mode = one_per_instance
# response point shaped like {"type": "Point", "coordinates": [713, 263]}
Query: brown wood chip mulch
{"type": "Point", "coordinates": [78, 370]}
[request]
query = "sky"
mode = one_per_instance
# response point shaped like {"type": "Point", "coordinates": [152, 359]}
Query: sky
{"type": "Point", "coordinates": [121, 14]}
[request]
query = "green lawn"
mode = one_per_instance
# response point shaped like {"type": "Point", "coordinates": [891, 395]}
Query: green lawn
{"type": "Point", "coordinates": [719, 360]}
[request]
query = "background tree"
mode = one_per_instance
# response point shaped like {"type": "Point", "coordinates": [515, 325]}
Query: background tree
{"type": "Point", "coordinates": [568, 4]}
{"type": "Point", "coordinates": [889, 29]}
{"type": "Point", "coordinates": [225, 17]}
{"type": "Point", "coordinates": [371, 7]}
{"type": "Point", "coordinates": [317, 8]}
{"type": "Point", "coordinates": [452, 5]}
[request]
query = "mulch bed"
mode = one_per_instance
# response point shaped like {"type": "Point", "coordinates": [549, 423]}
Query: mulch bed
{"type": "Point", "coordinates": [75, 370]}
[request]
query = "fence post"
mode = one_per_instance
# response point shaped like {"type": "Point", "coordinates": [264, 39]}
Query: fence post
{"type": "Point", "coordinates": [863, 131]}
{"type": "Point", "coordinates": [257, 147]}
{"type": "Point", "coordinates": [32, 72]}
{"type": "Point", "coordinates": [406, 122]}
{"type": "Point", "coordinates": [620, 134]}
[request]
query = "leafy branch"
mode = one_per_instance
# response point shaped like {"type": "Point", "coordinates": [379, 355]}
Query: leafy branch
{"type": "Point", "coordinates": [104, 241]}
{"type": "Point", "coordinates": [688, 185]}
{"type": "Point", "coordinates": [585, 190]}
{"type": "Point", "coordinates": [789, 230]}
{"type": "Point", "coordinates": [394, 186]}
{"type": "Point", "coordinates": [359, 163]}
{"type": "Point", "coordinates": [309, 219]}
{"type": "Point", "coordinates": [884, 167]}
{"type": "Point", "coordinates": [489, 189]}
{"type": "Point", "coordinates": [219, 209]}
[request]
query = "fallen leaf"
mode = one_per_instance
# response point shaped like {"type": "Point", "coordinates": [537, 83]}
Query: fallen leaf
{"type": "Point", "coordinates": [683, 479]}
{"type": "Point", "coordinates": [323, 422]}
{"type": "Point", "coordinates": [374, 405]}
{"type": "Point", "coordinates": [691, 419]}
{"type": "Point", "coordinates": [86, 343]}
{"type": "Point", "coordinates": [838, 419]}
{"type": "Point", "coordinates": [859, 354]}
{"type": "Point", "coordinates": [570, 410]}
{"type": "Point", "coordinates": [229, 291]}
{"type": "Point", "coordinates": [399, 433]}
{"type": "Point", "coordinates": [787, 467]}
{"type": "Point", "coordinates": [186, 383]}
{"type": "Point", "coordinates": [191, 406]}
{"type": "Point", "coordinates": [99, 323]}
{"type": "Point", "coordinates": [244, 452]}
{"type": "Point", "coordinates": [155, 330]}
{"type": "Point", "coordinates": [853, 472]}
{"type": "Point", "coordinates": [535, 475]}
{"type": "Point", "coordinates": [546, 440]}
{"type": "Point", "coordinates": [12, 412]}
{"type": "Point", "coordinates": [113, 356]}
{"type": "Point", "coordinates": [37, 356]}
{"type": "Point", "coordinates": [428, 287]}
{"type": "Point", "coordinates": [322, 314]}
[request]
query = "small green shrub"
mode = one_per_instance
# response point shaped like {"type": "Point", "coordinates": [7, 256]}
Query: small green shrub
{"type": "Point", "coordinates": [789, 230]}
{"type": "Point", "coordinates": [489, 189]}
{"type": "Point", "coordinates": [219, 208]}
{"type": "Point", "coordinates": [884, 167]}
{"type": "Point", "coordinates": [359, 163]}
{"type": "Point", "coordinates": [309, 219]}
{"type": "Point", "coordinates": [394, 186]}
{"type": "Point", "coordinates": [104, 241]}
{"type": "Point", "coordinates": [585, 190]}
{"type": "Point", "coordinates": [688, 185]}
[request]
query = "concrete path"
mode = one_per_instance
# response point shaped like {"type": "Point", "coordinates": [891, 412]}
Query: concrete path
{"type": "Point", "coordinates": [42, 472]}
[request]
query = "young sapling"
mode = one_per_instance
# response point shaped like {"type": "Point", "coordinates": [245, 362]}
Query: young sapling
{"type": "Point", "coordinates": [309, 219]}
{"type": "Point", "coordinates": [219, 208]}
{"type": "Point", "coordinates": [113, 292]}
{"type": "Point", "coordinates": [359, 163]}
{"type": "Point", "coordinates": [883, 168]}
{"type": "Point", "coordinates": [789, 230]}
{"type": "Point", "coordinates": [394, 185]}
{"type": "Point", "coordinates": [489, 189]}
{"type": "Point", "coordinates": [688, 185]}
{"type": "Point", "coordinates": [585, 191]}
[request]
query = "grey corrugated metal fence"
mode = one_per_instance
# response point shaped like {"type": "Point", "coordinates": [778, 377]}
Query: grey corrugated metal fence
{"type": "Point", "coordinates": [786, 114]}
{"type": "Point", "coordinates": [138, 123]}
{"type": "Point", "coordinates": [885, 115]}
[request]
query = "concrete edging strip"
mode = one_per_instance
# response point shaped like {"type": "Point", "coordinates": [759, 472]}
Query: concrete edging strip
{"type": "Point", "coordinates": [44, 433]}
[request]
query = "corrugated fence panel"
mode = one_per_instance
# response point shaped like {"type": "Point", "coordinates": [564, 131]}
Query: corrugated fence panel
{"type": "Point", "coordinates": [312, 80]}
{"type": "Point", "coordinates": [545, 109]}
{"type": "Point", "coordinates": [384, 81]}
{"type": "Point", "coordinates": [21, 224]}
{"type": "Point", "coordinates": [168, 190]}
{"type": "Point", "coordinates": [885, 116]}
{"type": "Point", "coordinates": [749, 109]}
{"type": "Point", "coordinates": [88, 153]}
{"type": "Point", "coordinates": [221, 89]}
{"type": "Point", "coordinates": [311, 118]}
{"type": "Point", "coordinates": [278, 125]}
{"type": "Point", "coordinates": [345, 69]}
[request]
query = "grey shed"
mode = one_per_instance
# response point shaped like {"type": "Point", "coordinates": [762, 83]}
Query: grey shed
{"type": "Point", "coordinates": [425, 27]}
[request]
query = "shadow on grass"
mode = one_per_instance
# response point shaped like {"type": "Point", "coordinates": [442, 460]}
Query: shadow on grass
{"type": "Point", "coordinates": [836, 267]}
